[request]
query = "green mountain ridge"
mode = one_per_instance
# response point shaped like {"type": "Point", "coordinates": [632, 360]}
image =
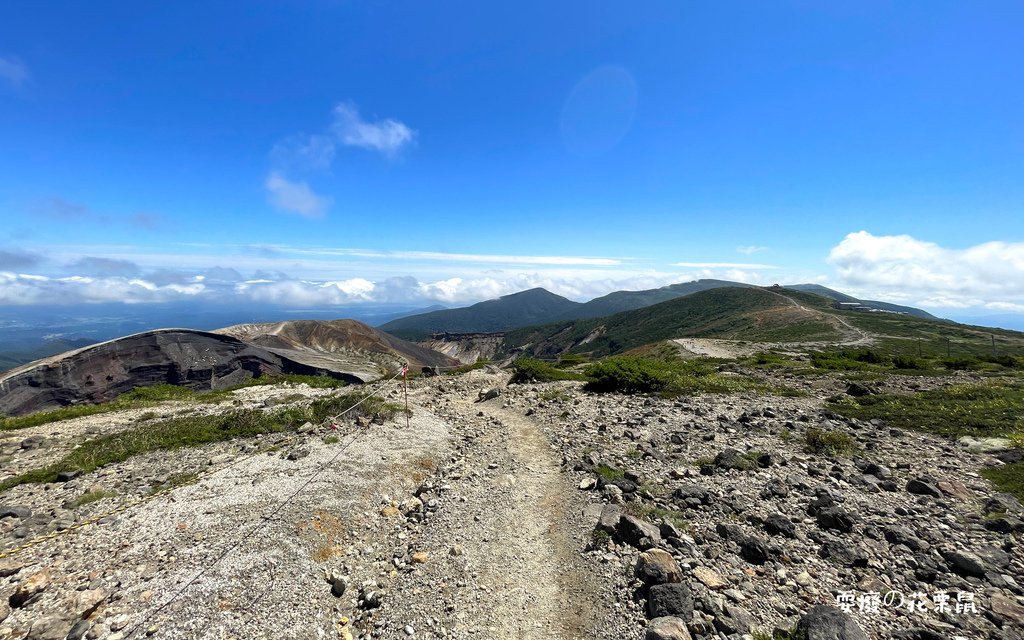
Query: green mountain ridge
{"type": "Point", "coordinates": [533, 306]}
{"type": "Point", "coordinates": [742, 313]}
{"type": "Point", "coordinates": [539, 306]}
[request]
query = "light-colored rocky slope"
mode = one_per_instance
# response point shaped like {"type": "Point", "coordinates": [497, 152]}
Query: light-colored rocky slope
{"type": "Point", "coordinates": [478, 521]}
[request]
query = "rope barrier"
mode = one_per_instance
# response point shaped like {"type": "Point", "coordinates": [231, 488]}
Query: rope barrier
{"type": "Point", "coordinates": [7, 553]}
{"type": "Point", "coordinates": [263, 520]}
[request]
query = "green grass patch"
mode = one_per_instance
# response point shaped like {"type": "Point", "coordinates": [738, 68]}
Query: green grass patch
{"type": "Point", "coordinates": [533, 370]}
{"type": "Point", "coordinates": [193, 431]}
{"type": "Point", "coordinates": [831, 443]}
{"type": "Point", "coordinates": [610, 474]}
{"type": "Point", "coordinates": [91, 496]}
{"type": "Point", "coordinates": [988, 409]}
{"type": "Point", "coordinates": [148, 396]}
{"type": "Point", "coordinates": [668, 378]}
{"type": "Point", "coordinates": [1008, 478]}
{"type": "Point", "coordinates": [668, 515]}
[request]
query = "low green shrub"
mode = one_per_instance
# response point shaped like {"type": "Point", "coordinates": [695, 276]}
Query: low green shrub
{"type": "Point", "coordinates": [533, 370]}
{"type": "Point", "coordinates": [831, 443]}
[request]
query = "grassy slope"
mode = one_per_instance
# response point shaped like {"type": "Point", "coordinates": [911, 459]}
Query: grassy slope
{"type": "Point", "coordinates": [901, 334]}
{"type": "Point", "coordinates": [739, 313]}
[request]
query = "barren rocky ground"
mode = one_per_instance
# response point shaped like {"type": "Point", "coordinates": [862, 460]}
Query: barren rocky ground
{"type": "Point", "coordinates": [544, 512]}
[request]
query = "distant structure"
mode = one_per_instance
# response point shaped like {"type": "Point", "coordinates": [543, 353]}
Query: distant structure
{"type": "Point", "coordinates": [856, 306]}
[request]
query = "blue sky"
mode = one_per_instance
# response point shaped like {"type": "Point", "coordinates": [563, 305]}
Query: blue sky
{"type": "Point", "coordinates": [339, 152]}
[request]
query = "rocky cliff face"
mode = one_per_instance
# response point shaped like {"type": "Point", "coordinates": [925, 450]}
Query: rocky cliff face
{"type": "Point", "coordinates": [467, 348]}
{"type": "Point", "coordinates": [195, 359]}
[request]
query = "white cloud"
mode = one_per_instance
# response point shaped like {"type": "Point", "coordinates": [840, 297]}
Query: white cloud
{"type": "Point", "coordinates": [751, 249]}
{"type": "Point", "coordinates": [14, 71]}
{"type": "Point", "coordinates": [387, 136]}
{"type": "Point", "coordinates": [295, 197]}
{"type": "Point", "coordinates": [904, 268]}
{"type": "Point", "coordinates": [723, 265]}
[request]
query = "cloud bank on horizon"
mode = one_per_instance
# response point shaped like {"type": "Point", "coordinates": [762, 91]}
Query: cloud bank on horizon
{"type": "Point", "coordinates": [987, 276]}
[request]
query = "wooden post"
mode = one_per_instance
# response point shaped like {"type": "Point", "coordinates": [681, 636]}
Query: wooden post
{"type": "Point", "coordinates": [993, 345]}
{"type": "Point", "coordinates": [947, 347]}
{"type": "Point", "coordinates": [919, 347]}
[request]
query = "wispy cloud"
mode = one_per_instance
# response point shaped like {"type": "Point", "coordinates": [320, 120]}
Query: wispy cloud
{"type": "Point", "coordinates": [386, 136]}
{"type": "Point", "coordinates": [462, 257]}
{"type": "Point", "coordinates": [750, 249]}
{"type": "Point", "coordinates": [724, 265]}
{"type": "Point", "coordinates": [61, 209]}
{"type": "Point", "coordinates": [94, 266]}
{"type": "Point", "coordinates": [14, 72]}
{"type": "Point", "coordinates": [295, 197]}
{"type": "Point", "coordinates": [15, 259]}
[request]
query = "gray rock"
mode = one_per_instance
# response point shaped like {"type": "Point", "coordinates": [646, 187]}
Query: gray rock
{"type": "Point", "coordinates": [965, 563]}
{"type": "Point", "coordinates": [835, 518]}
{"type": "Point", "coordinates": [693, 496]}
{"type": "Point", "coordinates": [339, 584]}
{"type": "Point", "coordinates": [5, 609]}
{"type": "Point", "coordinates": [896, 534]}
{"type": "Point", "coordinates": [68, 476]}
{"type": "Point", "coordinates": [79, 630]}
{"type": "Point", "coordinates": [755, 551]}
{"type": "Point", "coordinates": [670, 599]}
{"type": "Point", "coordinates": [608, 521]}
{"type": "Point", "coordinates": [298, 454]}
{"type": "Point", "coordinates": [14, 511]}
{"type": "Point", "coordinates": [636, 532]}
{"type": "Point", "coordinates": [50, 627]}
{"type": "Point", "coordinates": [734, 459]}
{"type": "Point", "coordinates": [779, 525]}
{"type": "Point", "coordinates": [923, 487]}
{"type": "Point", "coordinates": [657, 567]}
{"type": "Point", "coordinates": [734, 620]}
{"type": "Point", "coordinates": [823, 622]}
{"type": "Point", "coordinates": [666, 628]}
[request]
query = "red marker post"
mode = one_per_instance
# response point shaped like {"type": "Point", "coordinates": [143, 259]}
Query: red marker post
{"type": "Point", "coordinates": [405, 382]}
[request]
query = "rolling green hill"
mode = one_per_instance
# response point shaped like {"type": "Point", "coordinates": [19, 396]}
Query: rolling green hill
{"type": "Point", "coordinates": [838, 296]}
{"type": "Point", "coordinates": [619, 301]}
{"type": "Point", "coordinates": [521, 309]}
{"type": "Point", "coordinates": [742, 313]}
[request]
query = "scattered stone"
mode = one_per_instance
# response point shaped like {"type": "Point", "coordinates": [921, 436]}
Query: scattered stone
{"type": "Point", "coordinates": [734, 459]}
{"type": "Point", "coordinates": [28, 588]}
{"type": "Point", "coordinates": [965, 563]}
{"type": "Point", "coordinates": [923, 487]}
{"type": "Point", "coordinates": [835, 518]}
{"type": "Point", "coordinates": [823, 622]}
{"type": "Point", "coordinates": [710, 579]}
{"type": "Point", "coordinates": [1007, 610]}
{"type": "Point", "coordinates": [667, 628]}
{"type": "Point", "coordinates": [488, 394]}
{"type": "Point", "coordinates": [420, 557]}
{"type": "Point", "coordinates": [657, 567]}
{"type": "Point", "coordinates": [636, 532]}
{"type": "Point", "coordinates": [298, 454]}
{"type": "Point", "coordinates": [339, 584]}
{"type": "Point", "coordinates": [779, 525]}
{"type": "Point", "coordinates": [13, 511]}
{"type": "Point", "coordinates": [670, 599]}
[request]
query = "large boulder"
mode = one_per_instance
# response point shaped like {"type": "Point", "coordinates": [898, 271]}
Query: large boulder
{"type": "Point", "coordinates": [670, 599]}
{"type": "Point", "coordinates": [667, 628]}
{"type": "Point", "coordinates": [657, 567]}
{"type": "Point", "coordinates": [823, 622]}
{"type": "Point", "coordinates": [636, 532]}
